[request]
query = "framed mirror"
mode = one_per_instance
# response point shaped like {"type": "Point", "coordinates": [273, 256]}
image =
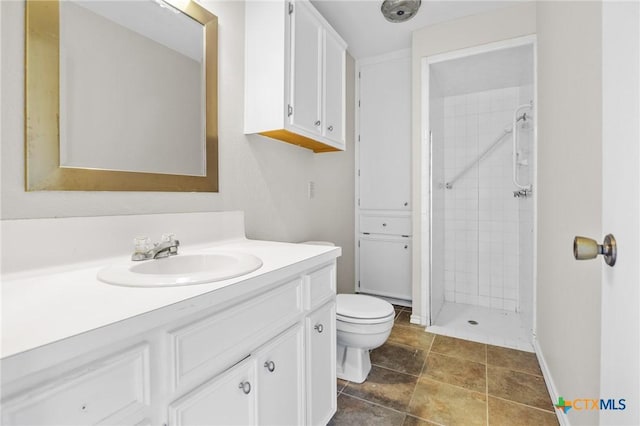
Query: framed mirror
{"type": "Point", "coordinates": [121, 96]}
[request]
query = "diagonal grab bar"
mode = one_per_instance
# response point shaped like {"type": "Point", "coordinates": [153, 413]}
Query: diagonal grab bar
{"type": "Point", "coordinates": [480, 157]}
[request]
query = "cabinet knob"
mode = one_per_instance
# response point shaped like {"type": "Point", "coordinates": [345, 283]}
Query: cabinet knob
{"type": "Point", "coordinates": [246, 387]}
{"type": "Point", "coordinates": [317, 123]}
{"type": "Point", "coordinates": [330, 128]}
{"type": "Point", "coordinates": [319, 328]}
{"type": "Point", "coordinates": [270, 365]}
{"type": "Point", "coordinates": [406, 203]}
{"type": "Point", "coordinates": [406, 246]}
{"type": "Point", "coordinates": [384, 224]}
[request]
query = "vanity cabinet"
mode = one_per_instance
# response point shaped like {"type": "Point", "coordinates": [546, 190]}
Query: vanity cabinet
{"type": "Point", "coordinates": [224, 401]}
{"type": "Point", "coordinates": [321, 344]}
{"type": "Point", "coordinates": [295, 75]}
{"type": "Point", "coordinates": [265, 357]}
{"type": "Point", "coordinates": [265, 388]}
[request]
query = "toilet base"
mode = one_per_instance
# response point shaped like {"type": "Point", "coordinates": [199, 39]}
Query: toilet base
{"type": "Point", "coordinates": [353, 364]}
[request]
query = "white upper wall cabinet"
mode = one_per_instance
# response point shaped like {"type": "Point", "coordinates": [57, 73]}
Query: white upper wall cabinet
{"type": "Point", "coordinates": [295, 75]}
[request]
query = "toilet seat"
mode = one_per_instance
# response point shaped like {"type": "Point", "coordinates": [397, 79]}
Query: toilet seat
{"type": "Point", "coordinates": [363, 309]}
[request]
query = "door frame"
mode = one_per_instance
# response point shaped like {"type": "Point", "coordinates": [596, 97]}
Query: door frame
{"type": "Point", "coordinates": [424, 239]}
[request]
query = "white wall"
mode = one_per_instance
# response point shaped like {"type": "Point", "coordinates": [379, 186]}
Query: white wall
{"type": "Point", "coordinates": [501, 24]}
{"type": "Point", "coordinates": [264, 178]}
{"type": "Point", "coordinates": [569, 195]}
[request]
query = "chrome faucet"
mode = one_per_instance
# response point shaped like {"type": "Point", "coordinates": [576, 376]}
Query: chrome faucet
{"type": "Point", "coordinates": [144, 250]}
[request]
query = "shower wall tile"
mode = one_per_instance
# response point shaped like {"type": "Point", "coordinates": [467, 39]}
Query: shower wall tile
{"type": "Point", "coordinates": [481, 217]}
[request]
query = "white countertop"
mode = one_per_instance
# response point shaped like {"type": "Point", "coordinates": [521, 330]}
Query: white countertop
{"type": "Point", "coordinates": [46, 305]}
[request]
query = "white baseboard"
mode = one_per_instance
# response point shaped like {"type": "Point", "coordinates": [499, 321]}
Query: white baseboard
{"type": "Point", "coordinates": [417, 319]}
{"type": "Point", "coordinates": [551, 387]}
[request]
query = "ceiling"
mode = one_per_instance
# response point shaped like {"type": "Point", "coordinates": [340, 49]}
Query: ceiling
{"type": "Point", "coordinates": [368, 33]}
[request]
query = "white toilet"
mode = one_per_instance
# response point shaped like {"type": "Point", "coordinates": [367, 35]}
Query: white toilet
{"type": "Point", "coordinates": [363, 323]}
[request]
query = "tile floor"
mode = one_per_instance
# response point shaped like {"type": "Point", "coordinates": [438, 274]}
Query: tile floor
{"type": "Point", "coordinates": [419, 378]}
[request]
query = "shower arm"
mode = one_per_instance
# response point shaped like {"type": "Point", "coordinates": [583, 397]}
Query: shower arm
{"type": "Point", "coordinates": [514, 154]}
{"type": "Point", "coordinates": [483, 154]}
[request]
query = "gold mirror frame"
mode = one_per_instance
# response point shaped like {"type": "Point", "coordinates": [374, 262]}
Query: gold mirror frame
{"type": "Point", "coordinates": [42, 97]}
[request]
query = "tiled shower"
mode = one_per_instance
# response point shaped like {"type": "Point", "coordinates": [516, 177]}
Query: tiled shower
{"type": "Point", "coordinates": [481, 227]}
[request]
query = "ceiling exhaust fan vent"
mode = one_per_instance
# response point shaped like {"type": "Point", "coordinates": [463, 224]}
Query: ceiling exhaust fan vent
{"type": "Point", "coordinates": [399, 10]}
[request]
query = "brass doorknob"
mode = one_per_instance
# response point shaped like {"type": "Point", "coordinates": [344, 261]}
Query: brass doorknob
{"type": "Point", "coordinates": [586, 248]}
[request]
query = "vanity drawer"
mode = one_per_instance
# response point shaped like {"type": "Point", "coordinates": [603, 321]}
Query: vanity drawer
{"type": "Point", "coordinates": [96, 392]}
{"type": "Point", "coordinates": [320, 285]}
{"type": "Point", "coordinates": [209, 345]}
{"type": "Point", "coordinates": [400, 225]}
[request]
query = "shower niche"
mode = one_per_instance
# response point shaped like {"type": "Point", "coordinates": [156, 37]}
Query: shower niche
{"type": "Point", "coordinates": [480, 185]}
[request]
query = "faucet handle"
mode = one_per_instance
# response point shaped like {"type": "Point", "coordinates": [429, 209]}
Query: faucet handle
{"type": "Point", "coordinates": [168, 237]}
{"type": "Point", "coordinates": [141, 244]}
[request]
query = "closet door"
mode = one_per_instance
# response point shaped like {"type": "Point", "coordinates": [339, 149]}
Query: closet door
{"type": "Point", "coordinates": [385, 135]}
{"type": "Point", "coordinates": [385, 266]}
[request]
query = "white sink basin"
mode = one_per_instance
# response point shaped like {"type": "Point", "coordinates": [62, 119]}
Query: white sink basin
{"type": "Point", "coordinates": [180, 270]}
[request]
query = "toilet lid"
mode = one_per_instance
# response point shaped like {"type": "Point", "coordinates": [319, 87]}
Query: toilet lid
{"type": "Point", "coordinates": [360, 306]}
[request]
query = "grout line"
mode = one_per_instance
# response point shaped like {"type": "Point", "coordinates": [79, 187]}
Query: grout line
{"type": "Point", "coordinates": [395, 371]}
{"type": "Point", "coordinates": [451, 384]}
{"type": "Point", "coordinates": [523, 405]}
{"type": "Point", "coordinates": [516, 370]}
{"type": "Point", "coordinates": [486, 388]}
{"type": "Point", "coordinates": [376, 404]}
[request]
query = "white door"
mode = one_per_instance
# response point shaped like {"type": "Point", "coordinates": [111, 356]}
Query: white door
{"type": "Point", "coordinates": [321, 365]}
{"type": "Point", "coordinates": [306, 58]}
{"type": "Point", "coordinates": [385, 135]}
{"type": "Point", "coordinates": [620, 353]}
{"type": "Point", "coordinates": [334, 89]}
{"type": "Point", "coordinates": [385, 266]}
{"type": "Point", "coordinates": [229, 399]}
{"type": "Point", "coordinates": [281, 377]}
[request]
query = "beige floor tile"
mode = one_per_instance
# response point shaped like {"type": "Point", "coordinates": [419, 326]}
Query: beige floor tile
{"type": "Point", "coordinates": [520, 387]}
{"type": "Point", "coordinates": [446, 404]}
{"type": "Point", "coordinates": [505, 413]}
{"type": "Point", "coordinates": [414, 421]}
{"type": "Point", "coordinates": [456, 371]}
{"type": "Point", "coordinates": [355, 412]}
{"type": "Point", "coordinates": [405, 359]}
{"type": "Point", "coordinates": [459, 348]}
{"type": "Point", "coordinates": [513, 359]}
{"type": "Point", "coordinates": [418, 338]}
{"type": "Point", "coordinates": [385, 387]}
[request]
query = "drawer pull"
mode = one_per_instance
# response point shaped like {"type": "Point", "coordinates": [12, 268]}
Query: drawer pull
{"type": "Point", "coordinates": [317, 123]}
{"type": "Point", "coordinates": [246, 387]}
{"type": "Point", "coordinates": [270, 365]}
{"type": "Point", "coordinates": [319, 328]}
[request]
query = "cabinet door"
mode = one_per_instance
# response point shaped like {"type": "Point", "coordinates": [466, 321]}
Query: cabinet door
{"type": "Point", "coordinates": [280, 367]}
{"type": "Point", "coordinates": [306, 62]}
{"type": "Point", "coordinates": [385, 266]}
{"type": "Point", "coordinates": [321, 365]}
{"type": "Point", "coordinates": [385, 135]}
{"type": "Point", "coordinates": [229, 399]}
{"type": "Point", "coordinates": [334, 89]}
